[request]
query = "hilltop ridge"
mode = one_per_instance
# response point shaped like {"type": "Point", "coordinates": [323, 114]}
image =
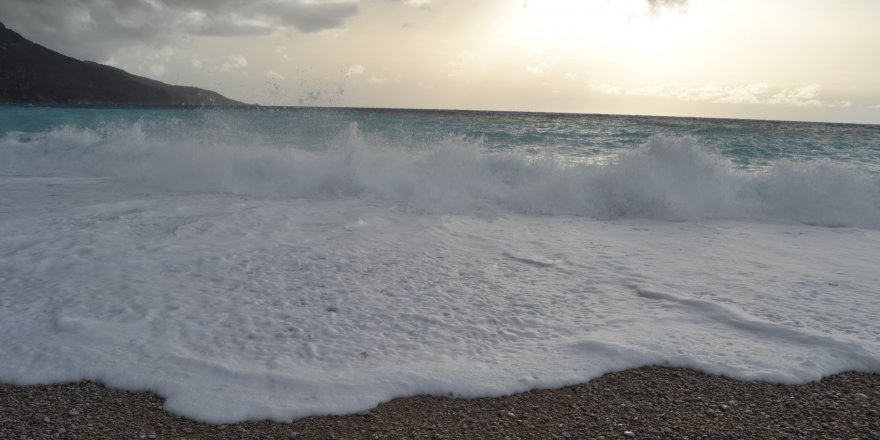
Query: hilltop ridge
{"type": "Point", "coordinates": [31, 73]}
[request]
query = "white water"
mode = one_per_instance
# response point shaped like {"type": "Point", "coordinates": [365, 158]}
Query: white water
{"type": "Point", "coordinates": [276, 283]}
{"type": "Point", "coordinates": [666, 178]}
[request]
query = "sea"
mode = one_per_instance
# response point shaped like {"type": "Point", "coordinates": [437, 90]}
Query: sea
{"type": "Point", "coordinates": [277, 263]}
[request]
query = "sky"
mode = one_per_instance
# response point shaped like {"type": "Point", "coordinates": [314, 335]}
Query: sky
{"type": "Point", "coordinates": [811, 60]}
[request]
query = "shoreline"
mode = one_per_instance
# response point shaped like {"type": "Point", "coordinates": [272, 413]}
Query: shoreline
{"type": "Point", "coordinates": [646, 402]}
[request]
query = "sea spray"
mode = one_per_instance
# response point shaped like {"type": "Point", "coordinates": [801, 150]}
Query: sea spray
{"type": "Point", "coordinates": [666, 177]}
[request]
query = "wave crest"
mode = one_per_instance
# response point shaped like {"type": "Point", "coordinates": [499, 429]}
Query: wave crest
{"type": "Point", "coordinates": [667, 177]}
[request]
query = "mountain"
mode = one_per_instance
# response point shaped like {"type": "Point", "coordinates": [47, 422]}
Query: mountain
{"type": "Point", "coordinates": [30, 73]}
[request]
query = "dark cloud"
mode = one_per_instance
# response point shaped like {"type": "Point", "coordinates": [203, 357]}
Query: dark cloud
{"type": "Point", "coordinates": [95, 29]}
{"type": "Point", "coordinates": [307, 17]}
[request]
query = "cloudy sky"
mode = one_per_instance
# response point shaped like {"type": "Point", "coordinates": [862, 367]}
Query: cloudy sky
{"type": "Point", "coordinates": [779, 59]}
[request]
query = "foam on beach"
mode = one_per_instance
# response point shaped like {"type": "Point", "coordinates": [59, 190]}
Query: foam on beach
{"type": "Point", "coordinates": [261, 281]}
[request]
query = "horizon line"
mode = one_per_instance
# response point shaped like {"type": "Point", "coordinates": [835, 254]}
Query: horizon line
{"type": "Point", "coordinates": [422, 109]}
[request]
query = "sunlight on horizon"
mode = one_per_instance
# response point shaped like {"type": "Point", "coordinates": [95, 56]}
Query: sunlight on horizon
{"type": "Point", "coordinates": [632, 40]}
{"type": "Point", "coordinates": [746, 59]}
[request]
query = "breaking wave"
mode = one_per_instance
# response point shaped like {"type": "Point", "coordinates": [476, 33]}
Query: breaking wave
{"type": "Point", "coordinates": [671, 178]}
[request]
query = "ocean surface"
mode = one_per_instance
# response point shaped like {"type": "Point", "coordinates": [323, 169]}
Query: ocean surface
{"type": "Point", "coordinates": [279, 263]}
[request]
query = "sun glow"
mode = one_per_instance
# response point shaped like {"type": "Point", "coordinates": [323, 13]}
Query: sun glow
{"type": "Point", "coordinates": [636, 43]}
{"type": "Point", "coordinates": [563, 22]}
{"type": "Point", "coordinates": [623, 26]}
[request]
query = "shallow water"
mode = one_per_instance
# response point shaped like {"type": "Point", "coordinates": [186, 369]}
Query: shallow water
{"type": "Point", "coordinates": [252, 264]}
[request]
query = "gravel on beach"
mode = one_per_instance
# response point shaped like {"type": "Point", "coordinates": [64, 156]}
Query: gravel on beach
{"type": "Point", "coordinates": [648, 402]}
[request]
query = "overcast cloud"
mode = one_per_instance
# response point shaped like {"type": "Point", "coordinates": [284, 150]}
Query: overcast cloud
{"type": "Point", "coordinates": [675, 57]}
{"type": "Point", "coordinates": [758, 93]}
{"type": "Point", "coordinates": [95, 29]}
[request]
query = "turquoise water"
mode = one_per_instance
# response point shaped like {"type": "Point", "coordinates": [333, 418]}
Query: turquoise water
{"type": "Point", "coordinates": [748, 144]}
{"type": "Point", "coordinates": [467, 162]}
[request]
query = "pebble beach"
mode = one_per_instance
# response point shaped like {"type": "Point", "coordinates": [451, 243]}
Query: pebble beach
{"type": "Point", "coordinates": [647, 402]}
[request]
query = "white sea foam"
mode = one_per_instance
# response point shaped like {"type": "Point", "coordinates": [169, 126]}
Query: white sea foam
{"type": "Point", "coordinates": [666, 178]}
{"type": "Point", "coordinates": [262, 281]}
